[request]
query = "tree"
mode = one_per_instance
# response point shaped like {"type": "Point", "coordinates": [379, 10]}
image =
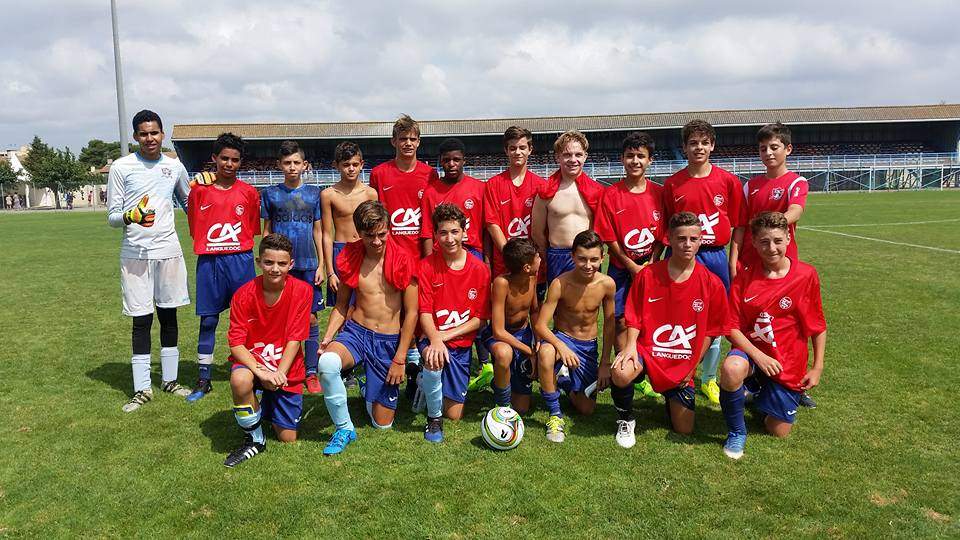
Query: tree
{"type": "Point", "coordinates": [97, 153]}
{"type": "Point", "coordinates": [8, 177]}
{"type": "Point", "coordinates": [57, 170]}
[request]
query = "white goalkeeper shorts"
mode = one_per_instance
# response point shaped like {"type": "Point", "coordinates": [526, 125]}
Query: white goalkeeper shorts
{"type": "Point", "coordinates": [145, 283]}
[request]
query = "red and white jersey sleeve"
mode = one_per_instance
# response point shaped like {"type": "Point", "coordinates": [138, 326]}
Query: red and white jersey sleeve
{"type": "Point", "coordinates": [762, 194]}
{"type": "Point", "coordinates": [453, 297]}
{"type": "Point", "coordinates": [401, 192]}
{"type": "Point", "coordinates": [265, 330]}
{"type": "Point", "coordinates": [223, 220]}
{"type": "Point", "coordinates": [674, 319]}
{"type": "Point", "coordinates": [510, 207]}
{"type": "Point", "coordinates": [779, 316]}
{"type": "Point", "coordinates": [633, 220]}
{"type": "Point", "coordinates": [716, 199]}
{"type": "Point", "coordinates": [467, 194]}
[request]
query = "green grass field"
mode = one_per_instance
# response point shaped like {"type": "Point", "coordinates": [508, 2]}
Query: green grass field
{"type": "Point", "coordinates": [880, 456]}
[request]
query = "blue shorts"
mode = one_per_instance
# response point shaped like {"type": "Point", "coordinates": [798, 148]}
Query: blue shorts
{"type": "Point", "coordinates": [586, 351]}
{"type": "Point", "coordinates": [218, 277]}
{"type": "Point", "coordinates": [456, 373]}
{"type": "Point", "coordinates": [308, 275]}
{"type": "Point", "coordinates": [623, 279]}
{"type": "Point", "coordinates": [559, 260]}
{"type": "Point", "coordinates": [279, 407]}
{"type": "Point", "coordinates": [770, 397]}
{"type": "Point", "coordinates": [521, 369]}
{"type": "Point", "coordinates": [715, 259]}
{"type": "Point", "coordinates": [684, 395]}
{"type": "Point", "coordinates": [373, 351]}
{"type": "Point", "coordinates": [331, 295]}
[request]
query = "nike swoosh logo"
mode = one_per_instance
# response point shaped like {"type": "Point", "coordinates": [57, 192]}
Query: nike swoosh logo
{"type": "Point", "coordinates": [463, 393]}
{"type": "Point", "coordinates": [393, 399]}
{"type": "Point", "coordinates": [677, 199]}
{"type": "Point", "coordinates": [620, 211]}
{"type": "Point", "coordinates": [505, 202]}
{"type": "Point", "coordinates": [250, 320]}
{"type": "Point", "coordinates": [204, 207]}
{"type": "Point", "coordinates": [387, 188]}
{"type": "Point", "coordinates": [652, 300]}
{"type": "Point", "coordinates": [793, 412]}
{"type": "Point", "coordinates": [754, 191]}
{"type": "Point", "coordinates": [438, 284]}
{"type": "Point", "coordinates": [750, 298]}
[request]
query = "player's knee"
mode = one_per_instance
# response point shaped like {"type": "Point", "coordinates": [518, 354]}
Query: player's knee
{"type": "Point", "coordinates": [329, 363]}
{"type": "Point", "coordinates": [313, 319]}
{"type": "Point", "coordinates": [584, 406]}
{"type": "Point", "coordinates": [778, 428]}
{"type": "Point", "coordinates": [241, 380]}
{"type": "Point", "coordinates": [732, 372]}
{"type": "Point", "coordinates": [546, 356]}
{"type": "Point", "coordinates": [285, 435]}
{"type": "Point", "coordinates": [502, 354]}
{"type": "Point", "coordinates": [683, 429]}
{"type": "Point", "coordinates": [620, 378]}
{"type": "Point", "coordinates": [382, 417]}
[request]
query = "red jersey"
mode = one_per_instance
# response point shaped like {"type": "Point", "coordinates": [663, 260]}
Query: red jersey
{"type": "Point", "coordinates": [634, 220]}
{"type": "Point", "coordinates": [510, 207]}
{"type": "Point", "coordinates": [762, 194]}
{"type": "Point", "coordinates": [454, 297]}
{"type": "Point", "coordinates": [223, 220]}
{"type": "Point", "coordinates": [717, 199]}
{"type": "Point", "coordinates": [400, 192]}
{"type": "Point", "coordinates": [779, 316]}
{"type": "Point", "coordinates": [467, 194]}
{"type": "Point", "coordinates": [674, 319]}
{"type": "Point", "coordinates": [265, 330]}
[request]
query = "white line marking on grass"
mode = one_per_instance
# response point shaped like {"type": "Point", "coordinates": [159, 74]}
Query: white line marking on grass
{"type": "Point", "coordinates": [944, 250]}
{"type": "Point", "coordinates": [881, 224]}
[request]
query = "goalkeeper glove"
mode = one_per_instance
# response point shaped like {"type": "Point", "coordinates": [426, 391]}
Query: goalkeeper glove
{"type": "Point", "coordinates": [203, 179]}
{"type": "Point", "coordinates": [140, 214]}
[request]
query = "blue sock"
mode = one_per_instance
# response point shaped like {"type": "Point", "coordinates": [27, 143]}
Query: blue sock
{"type": "Point", "coordinates": [249, 421]}
{"type": "Point", "coordinates": [432, 386]}
{"type": "Point", "coordinates": [205, 343]}
{"type": "Point", "coordinates": [501, 396]}
{"type": "Point", "coordinates": [310, 347]}
{"type": "Point", "coordinates": [553, 402]}
{"type": "Point", "coordinates": [731, 403]}
{"type": "Point", "coordinates": [710, 362]}
{"type": "Point", "coordinates": [334, 391]}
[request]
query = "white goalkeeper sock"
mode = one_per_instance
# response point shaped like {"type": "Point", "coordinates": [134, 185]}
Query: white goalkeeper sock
{"type": "Point", "coordinates": [140, 364]}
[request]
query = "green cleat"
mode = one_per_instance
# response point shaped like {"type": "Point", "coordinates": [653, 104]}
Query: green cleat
{"type": "Point", "coordinates": [646, 390]}
{"type": "Point", "coordinates": [482, 380]}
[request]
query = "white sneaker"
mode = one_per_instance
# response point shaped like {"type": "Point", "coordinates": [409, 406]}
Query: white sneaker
{"type": "Point", "coordinates": [625, 433]}
{"type": "Point", "coordinates": [175, 388]}
{"type": "Point", "coordinates": [555, 429]}
{"type": "Point", "coordinates": [138, 400]}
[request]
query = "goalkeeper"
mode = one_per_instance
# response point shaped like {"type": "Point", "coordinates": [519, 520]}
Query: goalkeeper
{"type": "Point", "coordinates": [153, 276]}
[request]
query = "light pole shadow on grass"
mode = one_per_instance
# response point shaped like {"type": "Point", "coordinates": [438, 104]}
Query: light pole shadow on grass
{"type": "Point", "coordinates": [118, 375]}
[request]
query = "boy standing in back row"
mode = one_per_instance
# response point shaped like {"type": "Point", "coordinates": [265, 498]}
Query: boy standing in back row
{"type": "Point", "coordinates": [715, 196]}
{"type": "Point", "coordinates": [223, 217]}
{"type": "Point", "coordinates": [293, 210]}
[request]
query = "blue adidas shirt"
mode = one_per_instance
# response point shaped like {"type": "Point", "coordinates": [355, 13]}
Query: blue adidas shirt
{"type": "Point", "coordinates": [291, 213]}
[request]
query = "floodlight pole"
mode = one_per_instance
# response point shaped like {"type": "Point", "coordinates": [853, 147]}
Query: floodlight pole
{"type": "Point", "coordinates": [121, 107]}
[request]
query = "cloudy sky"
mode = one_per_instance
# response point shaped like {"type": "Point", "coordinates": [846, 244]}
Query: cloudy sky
{"type": "Point", "coordinates": [250, 61]}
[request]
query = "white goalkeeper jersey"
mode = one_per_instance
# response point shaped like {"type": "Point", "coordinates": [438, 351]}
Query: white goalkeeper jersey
{"type": "Point", "coordinates": [132, 177]}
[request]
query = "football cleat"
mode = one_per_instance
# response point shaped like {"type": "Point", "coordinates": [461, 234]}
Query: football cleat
{"type": "Point", "coordinates": [555, 429]}
{"type": "Point", "coordinates": [340, 439]}
{"type": "Point", "coordinates": [434, 430]}
{"type": "Point", "coordinates": [313, 384]}
{"type": "Point", "coordinates": [350, 380]}
{"type": "Point", "coordinates": [246, 451]}
{"type": "Point", "coordinates": [203, 388]}
{"type": "Point", "coordinates": [733, 448]}
{"type": "Point", "coordinates": [138, 400]}
{"type": "Point", "coordinates": [175, 388]}
{"type": "Point", "coordinates": [712, 390]}
{"type": "Point", "coordinates": [625, 433]}
{"type": "Point", "coordinates": [482, 380]}
{"type": "Point", "coordinates": [807, 401]}
{"type": "Point", "coordinates": [646, 390]}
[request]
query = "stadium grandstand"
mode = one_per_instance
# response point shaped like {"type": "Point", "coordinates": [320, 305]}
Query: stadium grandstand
{"type": "Point", "coordinates": [837, 149]}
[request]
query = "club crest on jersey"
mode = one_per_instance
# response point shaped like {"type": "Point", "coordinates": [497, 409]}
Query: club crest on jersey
{"type": "Point", "coordinates": [519, 228]}
{"type": "Point", "coordinates": [451, 319]}
{"type": "Point", "coordinates": [420, 194]}
{"type": "Point", "coordinates": [678, 344]}
{"type": "Point", "coordinates": [785, 302]}
{"type": "Point", "coordinates": [166, 172]}
{"type": "Point", "coordinates": [718, 200]}
{"type": "Point", "coordinates": [238, 209]}
{"type": "Point", "coordinates": [223, 236]}
{"type": "Point", "coordinates": [656, 215]}
{"type": "Point", "coordinates": [405, 220]}
{"type": "Point", "coordinates": [472, 294]}
{"type": "Point", "coordinates": [776, 194]}
{"type": "Point", "coordinates": [697, 305]}
{"type": "Point", "coordinates": [468, 204]}
{"type": "Point", "coordinates": [528, 203]}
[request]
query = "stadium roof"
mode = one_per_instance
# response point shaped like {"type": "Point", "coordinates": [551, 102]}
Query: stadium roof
{"type": "Point", "coordinates": [557, 124]}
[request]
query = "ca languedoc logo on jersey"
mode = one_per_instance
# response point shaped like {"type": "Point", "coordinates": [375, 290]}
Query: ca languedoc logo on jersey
{"type": "Point", "coordinates": [763, 328]}
{"type": "Point", "coordinates": [697, 305]}
{"type": "Point", "coordinates": [638, 240]}
{"type": "Point", "coordinates": [785, 302]}
{"type": "Point", "coordinates": [223, 236]}
{"type": "Point", "coordinates": [269, 353]}
{"type": "Point", "coordinates": [519, 228]}
{"type": "Point", "coordinates": [707, 223]}
{"type": "Point", "coordinates": [452, 319]}
{"type": "Point", "coordinates": [468, 204]}
{"type": "Point", "coordinates": [718, 200]}
{"type": "Point", "coordinates": [405, 220]}
{"type": "Point", "coordinates": [776, 194]}
{"type": "Point", "coordinates": [674, 341]}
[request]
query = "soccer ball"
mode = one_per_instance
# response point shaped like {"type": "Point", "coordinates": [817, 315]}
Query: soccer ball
{"type": "Point", "coordinates": [502, 428]}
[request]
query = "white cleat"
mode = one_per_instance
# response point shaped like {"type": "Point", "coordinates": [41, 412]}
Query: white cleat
{"type": "Point", "coordinates": [625, 433]}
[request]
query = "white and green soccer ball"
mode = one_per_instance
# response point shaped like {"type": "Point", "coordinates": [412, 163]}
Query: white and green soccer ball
{"type": "Point", "coordinates": [502, 428]}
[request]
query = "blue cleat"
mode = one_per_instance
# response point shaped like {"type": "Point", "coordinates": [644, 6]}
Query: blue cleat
{"type": "Point", "coordinates": [733, 448]}
{"type": "Point", "coordinates": [341, 438]}
{"type": "Point", "coordinates": [203, 388]}
{"type": "Point", "coordinates": [434, 431]}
